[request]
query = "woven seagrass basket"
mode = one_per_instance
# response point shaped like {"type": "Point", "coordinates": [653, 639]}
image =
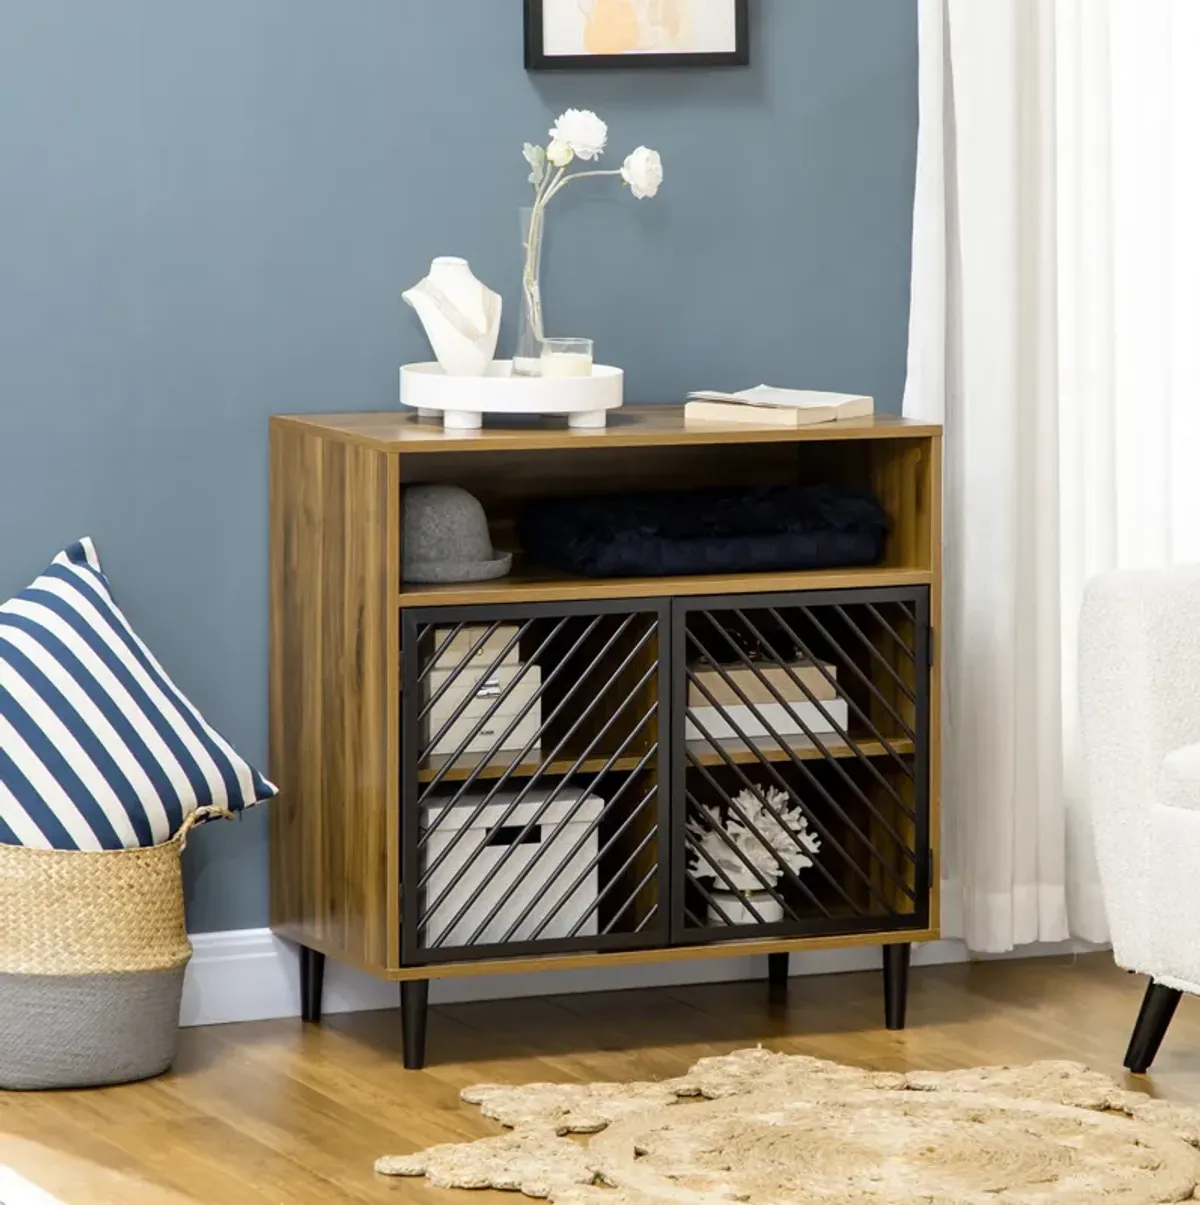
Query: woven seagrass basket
{"type": "Point", "coordinates": [93, 951]}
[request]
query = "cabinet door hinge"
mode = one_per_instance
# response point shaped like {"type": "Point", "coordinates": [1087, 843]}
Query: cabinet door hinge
{"type": "Point", "coordinates": [929, 645]}
{"type": "Point", "coordinates": [929, 868]}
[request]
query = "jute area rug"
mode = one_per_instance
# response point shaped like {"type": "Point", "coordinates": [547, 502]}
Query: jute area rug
{"type": "Point", "coordinates": [770, 1129]}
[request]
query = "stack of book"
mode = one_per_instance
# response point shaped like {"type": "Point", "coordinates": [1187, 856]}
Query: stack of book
{"type": "Point", "coordinates": [756, 701]}
{"type": "Point", "coordinates": [772, 407]}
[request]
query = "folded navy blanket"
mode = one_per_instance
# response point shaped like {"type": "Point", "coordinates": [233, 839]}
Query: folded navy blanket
{"type": "Point", "coordinates": [726, 530]}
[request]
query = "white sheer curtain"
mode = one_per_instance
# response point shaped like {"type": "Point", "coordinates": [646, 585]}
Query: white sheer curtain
{"type": "Point", "coordinates": [1055, 329]}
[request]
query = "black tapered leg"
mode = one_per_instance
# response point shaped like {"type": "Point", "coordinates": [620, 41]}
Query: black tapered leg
{"type": "Point", "coordinates": [1158, 1007]}
{"type": "Point", "coordinates": [895, 983]}
{"type": "Point", "coordinates": [777, 970]}
{"type": "Point", "coordinates": [312, 983]}
{"type": "Point", "coordinates": [414, 1004]}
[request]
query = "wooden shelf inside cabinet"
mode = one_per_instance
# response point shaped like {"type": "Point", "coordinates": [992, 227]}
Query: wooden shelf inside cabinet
{"type": "Point", "coordinates": [533, 583]}
{"type": "Point", "coordinates": [734, 750]}
{"type": "Point", "coordinates": [496, 765]}
{"type": "Point", "coordinates": [395, 855]}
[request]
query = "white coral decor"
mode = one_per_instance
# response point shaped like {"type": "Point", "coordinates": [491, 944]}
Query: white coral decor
{"type": "Point", "coordinates": [754, 839]}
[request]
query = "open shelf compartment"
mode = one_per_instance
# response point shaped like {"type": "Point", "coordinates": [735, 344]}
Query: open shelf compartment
{"type": "Point", "coordinates": [533, 817]}
{"type": "Point", "coordinates": [800, 786]}
{"type": "Point", "coordinates": [901, 470]}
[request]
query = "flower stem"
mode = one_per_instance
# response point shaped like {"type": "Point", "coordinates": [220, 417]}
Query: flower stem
{"type": "Point", "coordinates": [560, 184]}
{"type": "Point", "coordinates": [552, 184]}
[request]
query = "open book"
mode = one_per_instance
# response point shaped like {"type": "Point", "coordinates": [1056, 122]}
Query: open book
{"type": "Point", "coordinates": [776, 407]}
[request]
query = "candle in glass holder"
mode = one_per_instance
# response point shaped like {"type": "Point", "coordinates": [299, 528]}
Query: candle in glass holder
{"type": "Point", "coordinates": [566, 358]}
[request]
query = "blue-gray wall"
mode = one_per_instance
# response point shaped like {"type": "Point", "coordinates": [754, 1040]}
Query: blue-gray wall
{"type": "Point", "coordinates": [208, 209]}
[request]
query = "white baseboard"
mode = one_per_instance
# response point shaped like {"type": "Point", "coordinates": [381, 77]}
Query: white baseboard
{"type": "Point", "coordinates": [252, 975]}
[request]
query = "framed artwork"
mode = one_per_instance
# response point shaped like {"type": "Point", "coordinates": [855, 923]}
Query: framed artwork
{"type": "Point", "coordinates": [636, 33]}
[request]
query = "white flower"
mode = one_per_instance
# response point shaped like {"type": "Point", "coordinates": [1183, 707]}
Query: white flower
{"type": "Point", "coordinates": [560, 153]}
{"type": "Point", "coordinates": [643, 172]}
{"type": "Point", "coordinates": [582, 131]}
{"type": "Point", "coordinates": [535, 156]}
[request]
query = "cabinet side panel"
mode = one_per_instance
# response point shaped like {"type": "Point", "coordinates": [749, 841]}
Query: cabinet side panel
{"type": "Point", "coordinates": [931, 495]}
{"type": "Point", "coordinates": [900, 475]}
{"type": "Point", "coordinates": [332, 695]}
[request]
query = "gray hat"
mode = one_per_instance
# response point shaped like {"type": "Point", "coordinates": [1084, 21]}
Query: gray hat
{"type": "Point", "coordinates": [446, 537]}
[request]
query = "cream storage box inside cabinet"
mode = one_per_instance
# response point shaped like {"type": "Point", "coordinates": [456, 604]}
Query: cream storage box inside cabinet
{"type": "Point", "coordinates": [495, 858]}
{"type": "Point", "coordinates": [473, 668]}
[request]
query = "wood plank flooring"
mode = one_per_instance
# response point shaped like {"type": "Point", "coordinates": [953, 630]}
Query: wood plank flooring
{"type": "Point", "coordinates": [284, 1113]}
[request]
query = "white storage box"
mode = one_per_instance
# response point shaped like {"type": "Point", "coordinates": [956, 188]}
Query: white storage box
{"type": "Point", "coordinates": [719, 722]}
{"type": "Point", "coordinates": [464, 640]}
{"type": "Point", "coordinates": [476, 857]}
{"type": "Point", "coordinates": [474, 675]}
{"type": "Point", "coordinates": [481, 694]}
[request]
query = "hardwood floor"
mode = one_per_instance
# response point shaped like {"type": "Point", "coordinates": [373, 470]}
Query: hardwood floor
{"type": "Point", "coordinates": [280, 1112]}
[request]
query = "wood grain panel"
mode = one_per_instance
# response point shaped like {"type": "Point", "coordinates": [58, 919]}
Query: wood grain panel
{"type": "Point", "coordinates": [705, 752]}
{"type": "Point", "coordinates": [899, 473]}
{"type": "Point", "coordinates": [611, 958]}
{"type": "Point", "coordinates": [929, 508]}
{"type": "Point", "coordinates": [333, 687]}
{"type": "Point", "coordinates": [631, 426]}
{"type": "Point", "coordinates": [531, 583]}
{"type": "Point", "coordinates": [336, 494]}
{"type": "Point", "coordinates": [496, 765]}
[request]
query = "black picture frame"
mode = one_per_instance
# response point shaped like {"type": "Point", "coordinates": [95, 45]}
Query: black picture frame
{"type": "Point", "coordinates": [536, 58]}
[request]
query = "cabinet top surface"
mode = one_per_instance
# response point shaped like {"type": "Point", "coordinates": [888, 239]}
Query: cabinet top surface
{"type": "Point", "coordinates": [631, 426]}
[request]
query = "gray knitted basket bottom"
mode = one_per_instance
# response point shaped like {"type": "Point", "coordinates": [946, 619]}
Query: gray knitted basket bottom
{"type": "Point", "coordinates": [83, 1031]}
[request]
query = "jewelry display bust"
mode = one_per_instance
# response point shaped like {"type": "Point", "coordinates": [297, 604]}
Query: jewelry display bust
{"type": "Point", "coordinates": [460, 314]}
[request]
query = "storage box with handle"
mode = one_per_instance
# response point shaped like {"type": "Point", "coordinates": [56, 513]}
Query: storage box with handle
{"type": "Point", "coordinates": [532, 864]}
{"type": "Point", "coordinates": [93, 950]}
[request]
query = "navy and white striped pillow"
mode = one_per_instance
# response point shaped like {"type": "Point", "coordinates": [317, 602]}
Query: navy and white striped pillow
{"type": "Point", "coordinates": [98, 748]}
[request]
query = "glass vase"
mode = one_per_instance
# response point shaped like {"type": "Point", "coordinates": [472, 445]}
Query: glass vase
{"type": "Point", "coordinates": [527, 358]}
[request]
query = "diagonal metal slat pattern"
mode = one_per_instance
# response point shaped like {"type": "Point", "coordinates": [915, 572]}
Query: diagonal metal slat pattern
{"type": "Point", "coordinates": [766, 882]}
{"type": "Point", "coordinates": [536, 819]}
{"type": "Point", "coordinates": [810, 734]}
{"type": "Point", "coordinates": [860, 712]}
{"type": "Point", "coordinates": [820, 699]}
{"type": "Point", "coordinates": [539, 810]}
{"type": "Point", "coordinates": [779, 742]}
{"type": "Point", "coordinates": [780, 783]}
{"type": "Point", "coordinates": [842, 731]}
{"type": "Point", "coordinates": [567, 893]}
{"type": "Point", "coordinates": [542, 808]}
{"type": "Point", "coordinates": [534, 740]}
{"type": "Point", "coordinates": [573, 773]}
{"type": "Point", "coordinates": [536, 776]}
{"type": "Point", "coordinates": [492, 710]}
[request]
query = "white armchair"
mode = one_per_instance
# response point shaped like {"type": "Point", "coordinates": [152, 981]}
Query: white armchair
{"type": "Point", "coordinates": [1140, 696]}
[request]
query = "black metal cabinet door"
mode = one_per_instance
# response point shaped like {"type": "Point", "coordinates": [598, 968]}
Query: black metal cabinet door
{"type": "Point", "coordinates": [800, 774]}
{"type": "Point", "coordinates": [534, 806]}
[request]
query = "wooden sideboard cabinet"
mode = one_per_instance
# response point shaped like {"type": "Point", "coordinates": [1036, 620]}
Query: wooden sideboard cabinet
{"type": "Point", "coordinates": [536, 771]}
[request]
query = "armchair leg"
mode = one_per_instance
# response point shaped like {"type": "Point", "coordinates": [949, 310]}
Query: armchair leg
{"type": "Point", "coordinates": [1158, 1007]}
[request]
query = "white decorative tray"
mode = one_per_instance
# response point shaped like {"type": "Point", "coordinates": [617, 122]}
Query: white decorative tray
{"type": "Point", "coordinates": [463, 401]}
